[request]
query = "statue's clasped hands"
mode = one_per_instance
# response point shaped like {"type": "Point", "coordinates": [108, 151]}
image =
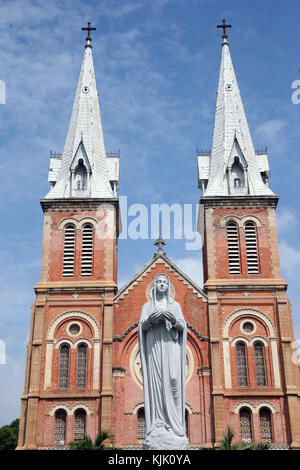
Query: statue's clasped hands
{"type": "Point", "coordinates": [157, 315]}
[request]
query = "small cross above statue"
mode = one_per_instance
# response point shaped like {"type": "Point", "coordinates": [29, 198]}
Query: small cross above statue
{"type": "Point", "coordinates": [159, 243]}
{"type": "Point", "coordinates": [88, 38]}
{"type": "Point", "coordinates": [224, 26]}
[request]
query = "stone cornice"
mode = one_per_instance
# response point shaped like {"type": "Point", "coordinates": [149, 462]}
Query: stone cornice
{"type": "Point", "coordinates": [79, 203]}
{"type": "Point", "coordinates": [240, 201]}
{"type": "Point", "coordinates": [78, 286]}
{"type": "Point", "coordinates": [250, 284]}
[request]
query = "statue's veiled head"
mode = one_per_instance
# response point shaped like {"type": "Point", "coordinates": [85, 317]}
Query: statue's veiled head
{"type": "Point", "coordinates": [161, 288]}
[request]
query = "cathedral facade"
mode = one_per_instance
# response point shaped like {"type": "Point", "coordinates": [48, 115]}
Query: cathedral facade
{"type": "Point", "coordinates": [83, 371]}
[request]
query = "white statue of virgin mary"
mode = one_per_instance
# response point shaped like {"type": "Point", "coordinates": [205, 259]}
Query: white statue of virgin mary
{"type": "Point", "coordinates": [162, 343]}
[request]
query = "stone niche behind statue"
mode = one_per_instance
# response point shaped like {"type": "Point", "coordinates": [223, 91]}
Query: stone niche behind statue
{"type": "Point", "coordinates": [162, 343]}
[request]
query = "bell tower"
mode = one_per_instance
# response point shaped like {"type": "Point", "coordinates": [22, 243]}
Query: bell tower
{"type": "Point", "coordinates": [255, 378]}
{"type": "Point", "coordinates": [68, 383]}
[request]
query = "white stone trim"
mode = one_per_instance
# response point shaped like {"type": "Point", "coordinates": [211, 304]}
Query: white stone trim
{"type": "Point", "coordinates": [247, 320]}
{"type": "Point", "coordinates": [238, 339]}
{"type": "Point", "coordinates": [260, 339]}
{"type": "Point", "coordinates": [96, 375]}
{"type": "Point", "coordinates": [254, 407]}
{"type": "Point", "coordinates": [88, 220]}
{"type": "Point", "coordinates": [59, 406]}
{"type": "Point", "coordinates": [74, 334]}
{"type": "Point", "coordinates": [82, 340]}
{"type": "Point", "coordinates": [251, 218]}
{"type": "Point", "coordinates": [137, 407]}
{"type": "Point", "coordinates": [67, 221]}
{"type": "Point", "coordinates": [227, 364]}
{"type": "Point", "coordinates": [230, 218]}
{"type": "Point", "coordinates": [70, 409]}
{"type": "Point", "coordinates": [63, 341]}
{"type": "Point", "coordinates": [244, 404]}
{"type": "Point", "coordinates": [275, 362]}
{"type": "Point", "coordinates": [251, 312]}
{"type": "Point", "coordinates": [72, 314]}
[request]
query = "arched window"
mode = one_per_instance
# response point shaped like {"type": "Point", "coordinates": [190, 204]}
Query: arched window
{"type": "Point", "coordinates": [69, 251]}
{"type": "Point", "coordinates": [260, 369]}
{"type": "Point", "coordinates": [79, 424]}
{"type": "Point", "coordinates": [60, 427]}
{"type": "Point", "coordinates": [245, 425]}
{"type": "Point", "coordinates": [242, 367]}
{"type": "Point", "coordinates": [251, 247]}
{"type": "Point", "coordinates": [141, 430]}
{"type": "Point", "coordinates": [233, 248]}
{"type": "Point", "coordinates": [87, 250]}
{"type": "Point", "coordinates": [265, 425]}
{"type": "Point", "coordinates": [81, 365]}
{"type": "Point", "coordinates": [64, 356]}
{"type": "Point", "coordinates": [80, 176]}
{"type": "Point", "coordinates": [237, 182]}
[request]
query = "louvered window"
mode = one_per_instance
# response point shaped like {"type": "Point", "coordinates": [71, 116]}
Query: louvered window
{"type": "Point", "coordinates": [251, 247]}
{"type": "Point", "coordinates": [245, 425]}
{"type": "Point", "coordinates": [64, 356]}
{"type": "Point", "coordinates": [141, 431]}
{"type": "Point", "coordinates": [242, 368]}
{"type": "Point", "coordinates": [260, 369]}
{"type": "Point", "coordinates": [79, 424]}
{"type": "Point", "coordinates": [233, 248]}
{"type": "Point", "coordinates": [265, 425]}
{"type": "Point", "coordinates": [60, 427]}
{"type": "Point", "coordinates": [81, 365]}
{"type": "Point", "coordinates": [69, 251]}
{"type": "Point", "coordinates": [87, 250]}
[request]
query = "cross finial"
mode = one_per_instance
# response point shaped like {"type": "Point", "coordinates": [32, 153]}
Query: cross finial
{"type": "Point", "coordinates": [159, 243]}
{"type": "Point", "coordinates": [224, 26]}
{"type": "Point", "coordinates": [88, 38]}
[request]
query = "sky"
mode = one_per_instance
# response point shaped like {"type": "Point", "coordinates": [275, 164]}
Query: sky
{"type": "Point", "coordinates": [157, 66]}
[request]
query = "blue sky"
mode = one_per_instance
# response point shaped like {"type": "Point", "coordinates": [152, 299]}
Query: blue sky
{"type": "Point", "coordinates": [157, 66]}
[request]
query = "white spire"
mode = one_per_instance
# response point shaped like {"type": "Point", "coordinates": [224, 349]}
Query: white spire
{"type": "Point", "coordinates": [233, 167]}
{"type": "Point", "coordinates": [84, 170]}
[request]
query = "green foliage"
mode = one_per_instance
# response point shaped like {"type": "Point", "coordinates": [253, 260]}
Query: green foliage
{"type": "Point", "coordinates": [87, 444]}
{"type": "Point", "coordinates": [9, 436]}
{"type": "Point", "coordinates": [226, 443]}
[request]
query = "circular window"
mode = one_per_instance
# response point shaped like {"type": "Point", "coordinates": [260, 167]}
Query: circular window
{"type": "Point", "coordinates": [74, 329]}
{"type": "Point", "coordinates": [248, 327]}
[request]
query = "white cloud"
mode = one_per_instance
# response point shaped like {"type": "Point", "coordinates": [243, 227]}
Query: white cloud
{"type": "Point", "coordinates": [271, 133]}
{"type": "Point", "coordinates": [286, 220]}
{"type": "Point", "coordinates": [192, 266]}
{"type": "Point", "coordinates": [290, 257]}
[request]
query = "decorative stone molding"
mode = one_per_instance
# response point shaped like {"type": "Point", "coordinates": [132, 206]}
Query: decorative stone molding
{"type": "Point", "coordinates": [135, 325]}
{"type": "Point", "coordinates": [254, 407]}
{"type": "Point", "coordinates": [70, 410]}
{"type": "Point", "coordinates": [120, 338]}
{"type": "Point", "coordinates": [73, 314]}
{"type": "Point", "coordinates": [251, 312]}
{"type": "Point", "coordinates": [199, 336]}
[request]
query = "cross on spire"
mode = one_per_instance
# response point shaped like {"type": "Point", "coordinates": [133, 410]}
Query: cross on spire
{"type": "Point", "coordinates": [88, 38]}
{"type": "Point", "coordinates": [159, 243]}
{"type": "Point", "coordinates": [224, 26]}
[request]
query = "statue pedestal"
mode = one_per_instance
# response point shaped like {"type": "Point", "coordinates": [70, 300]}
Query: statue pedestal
{"type": "Point", "coordinates": [162, 438]}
